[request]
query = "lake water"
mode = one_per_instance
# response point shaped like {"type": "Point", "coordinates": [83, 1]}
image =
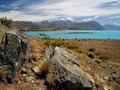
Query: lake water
{"type": "Point", "coordinates": [94, 34]}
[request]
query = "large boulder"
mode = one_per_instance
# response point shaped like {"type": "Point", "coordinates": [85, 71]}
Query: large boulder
{"type": "Point", "coordinates": [14, 49]}
{"type": "Point", "coordinates": [68, 72]}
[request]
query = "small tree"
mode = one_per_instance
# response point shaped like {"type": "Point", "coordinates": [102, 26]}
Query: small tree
{"type": "Point", "coordinates": [5, 21]}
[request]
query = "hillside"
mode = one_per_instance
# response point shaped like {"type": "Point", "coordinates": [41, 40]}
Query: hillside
{"type": "Point", "coordinates": [111, 27]}
{"type": "Point", "coordinates": [20, 24]}
{"type": "Point", "coordinates": [92, 25]}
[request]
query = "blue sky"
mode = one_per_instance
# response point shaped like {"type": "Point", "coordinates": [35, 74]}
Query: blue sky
{"type": "Point", "coordinates": [102, 11]}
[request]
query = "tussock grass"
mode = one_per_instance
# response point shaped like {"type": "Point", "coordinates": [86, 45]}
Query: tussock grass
{"type": "Point", "coordinates": [44, 67]}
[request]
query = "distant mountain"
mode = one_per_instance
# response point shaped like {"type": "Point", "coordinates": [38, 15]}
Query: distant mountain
{"type": "Point", "coordinates": [20, 24]}
{"type": "Point", "coordinates": [111, 27]}
{"type": "Point", "coordinates": [92, 25]}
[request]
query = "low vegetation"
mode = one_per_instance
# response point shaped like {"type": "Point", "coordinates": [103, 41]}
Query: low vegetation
{"type": "Point", "coordinates": [92, 49]}
{"type": "Point", "coordinates": [103, 57]}
{"type": "Point", "coordinates": [79, 51]}
{"type": "Point", "coordinates": [72, 47]}
{"type": "Point", "coordinates": [44, 67]}
{"type": "Point", "coordinates": [7, 22]}
{"type": "Point", "coordinates": [52, 42]}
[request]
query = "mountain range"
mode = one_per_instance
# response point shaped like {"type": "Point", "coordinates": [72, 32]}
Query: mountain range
{"type": "Point", "coordinates": [111, 27]}
{"type": "Point", "coordinates": [91, 25]}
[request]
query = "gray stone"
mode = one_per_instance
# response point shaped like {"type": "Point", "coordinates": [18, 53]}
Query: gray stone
{"type": "Point", "coordinates": [24, 70]}
{"type": "Point", "coordinates": [48, 52]}
{"type": "Point", "coordinates": [68, 72]}
{"type": "Point", "coordinates": [14, 49]}
{"type": "Point", "coordinates": [29, 78]}
{"type": "Point", "coordinates": [36, 70]}
{"type": "Point", "coordinates": [91, 55]}
{"type": "Point", "coordinates": [97, 61]}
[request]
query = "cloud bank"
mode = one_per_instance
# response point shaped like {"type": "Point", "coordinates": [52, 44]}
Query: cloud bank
{"type": "Point", "coordinates": [30, 10]}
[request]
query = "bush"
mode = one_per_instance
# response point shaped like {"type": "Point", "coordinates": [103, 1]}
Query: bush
{"type": "Point", "coordinates": [58, 43]}
{"type": "Point", "coordinates": [72, 47]}
{"type": "Point", "coordinates": [5, 21]}
{"type": "Point", "coordinates": [79, 51]}
{"type": "Point", "coordinates": [104, 57]}
{"type": "Point", "coordinates": [91, 49]}
{"type": "Point", "coordinates": [53, 43]}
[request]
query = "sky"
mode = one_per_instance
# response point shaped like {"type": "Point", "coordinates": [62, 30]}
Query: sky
{"type": "Point", "coordinates": [102, 11]}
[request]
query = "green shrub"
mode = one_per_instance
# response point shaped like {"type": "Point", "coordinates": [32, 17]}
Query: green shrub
{"type": "Point", "coordinates": [79, 51]}
{"type": "Point", "coordinates": [58, 43]}
{"type": "Point", "coordinates": [5, 21]}
{"type": "Point", "coordinates": [53, 43]}
{"type": "Point", "coordinates": [104, 57]}
{"type": "Point", "coordinates": [72, 47]}
{"type": "Point", "coordinates": [91, 49]}
{"type": "Point", "coordinates": [97, 53]}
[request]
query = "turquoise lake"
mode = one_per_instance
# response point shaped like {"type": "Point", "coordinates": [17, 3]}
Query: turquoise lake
{"type": "Point", "coordinates": [94, 34]}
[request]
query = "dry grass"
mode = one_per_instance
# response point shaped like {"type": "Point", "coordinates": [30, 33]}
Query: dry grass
{"type": "Point", "coordinates": [51, 79]}
{"type": "Point", "coordinates": [1, 35]}
{"type": "Point", "coordinates": [34, 57]}
{"type": "Point", "coordinates": [3, 75]}
{"type": "Point", "coordinates": [44, 66]}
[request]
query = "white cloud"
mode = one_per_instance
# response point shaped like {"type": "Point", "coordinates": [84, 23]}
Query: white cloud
{"type": "Point", "coordinates": [116, 23]}
{"type": "Point", "coordinates": [90, 19]}
{"type": "Point", "coordinates": [67, 18]}
{"type": "Point", "coordinates": [52, 9]}
{"type": "Point", "coordinates": [115, 17]}
{"type": "Point", "coordinates": [20, 16]}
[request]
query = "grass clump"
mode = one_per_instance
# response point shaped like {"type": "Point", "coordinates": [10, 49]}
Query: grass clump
{"type": "Point", "coordinates": [72, 47]}
{"type": "Point", "coordinates": [51, 79]}
{"type": "Point", "coordinates": [104, 57]}
{"type": "Point", "coordinates": [92, 49]}
{"type": "Point", "coordinates": [44, 67]}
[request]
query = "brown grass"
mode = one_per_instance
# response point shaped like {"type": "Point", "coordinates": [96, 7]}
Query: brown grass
{"type": "Point", "coordinates": [51, 79]}
{"type": "Point", "coordinates": [1, 36]}
{"type": "Point", "coordinates": [44, 66]}
{"type": "Point", "coordinates": [3, 75]}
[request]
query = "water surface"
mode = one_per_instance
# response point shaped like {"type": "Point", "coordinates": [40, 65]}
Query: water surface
{"type": "Point", "coordinates": [80, 34]}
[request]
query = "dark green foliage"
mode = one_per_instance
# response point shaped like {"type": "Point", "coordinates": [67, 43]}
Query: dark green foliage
{"type": "Point", "coordinates": [79, 51]}
{"type": "Point", "coordinates": [72, 47]}
{"type": "Point", "coordinates": [91, 49]}
{"type": "Point", "coordinates": [5, 21]}
{"type": "Point", "coordinates": [104, 57]}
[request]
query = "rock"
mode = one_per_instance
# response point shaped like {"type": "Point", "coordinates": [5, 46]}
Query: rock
{"type": "Point", "coordinates": [36, 70]}
{"type": "Point", "coordinates": [106, 78]}
{"type": "Point", "coordinates": [67, 70]}
{"type": "Point", "coordinates": [91, 55]}
{"type": "Point", "coordinates": [48, 52]}
{"type": "Point", "coordinates": [15, 47]}
{"type": "Point", "coordinates": [29, 78]}
{"type": "Point", "coordinates": [24, 70]}
{"type": "Point", "coordinates": [97, 61]}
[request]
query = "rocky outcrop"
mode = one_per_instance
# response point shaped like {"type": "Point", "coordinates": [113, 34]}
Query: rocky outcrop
{"type": "Point", "coordinates": [69, 74]}
{"type": "Point", "coordinates": [14, 49]}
